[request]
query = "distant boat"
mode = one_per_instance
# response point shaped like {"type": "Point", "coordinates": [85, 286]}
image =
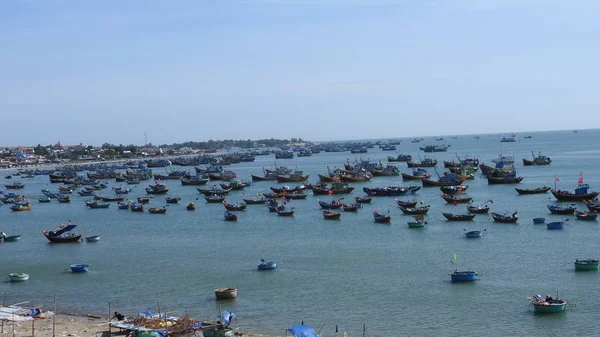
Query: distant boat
{"type": "Point", "coordinates": [537, 190]}
{"type": "Point", "coordinates": [80, 268]}
{"type": "Point", "coordinates": [267, 265]}
{"type": "Point", "coordinates": [93, 238]}
{"type": "Point", "coordinates": [416, 223]}
{"type": "Point", "coordinates": [474, 234]}
{"type": "Point", "coordinates": [558, 209]}
{"type": "Point", "coordinates": [10, 238]}
{"type": "Point", "coordinates": [226, 293]}
{"type": "Point", "coordinates": [548, 306]}
{"type": "Point", "coordinates": [458, 217]}
{"type": "Point", "coordinates": [62, 234]}
{"type": "Point", "coordinates": [586, 264]}
{"type": "Point", "coordinates": [539, 220]}
{"type": "Point", "coordinates": [586, 216]}
{"type": "Point", "coordinates": [463, 276]}
{"type": "Point", "coordinates": [382, 217]}
{"type": "Point", "coordinates": [190, 206]}
{"type": "Point", "coordinates": [230, 216]}
{"type": "Point", "coordinates": [581, 193]}
{"type": "Point", "coordinates": [329, 215]}
{"type": "Point", "coordinates": [555, 225]}
{"type": "Point", "coordinates": [18, 277]}
{"type": "Point", "coordinates": [506, 218]}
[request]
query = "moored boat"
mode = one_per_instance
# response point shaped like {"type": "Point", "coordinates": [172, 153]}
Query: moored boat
{"type": "Point", "coordinates": [456, 199]}
{"type": "Point", "coordinates": [474, 234]}
{"type": "Point", "coordinates": [588, 264]}
{"type": "Point", "coordinates": [548, 305]}
{"type": "Point", "coordinates": [586, 216]}
{"type": "Point", "coordinates": [92, 238]}
{"type": "Point", "coordinates": [62, 234]}
{"type": "Point", "coordinates": [415, 210]}
{"type": "Point", "coordinates": [226, 293]}
{"type": "Point", "coordinates": [382, 217]}
{"type": "Point", "coordinates": [416, 223]}
{"type": "Point", "coordinates": [478, 209]}
{"type": "Point", "coordinates": [458, 217]}
{"type": "Point", "coordinates": [190, 206]}
{"type": "Point", "coordinates": [18, 277]}
{"type": "Point", "coordinates": [559, 209]}
{"type": "Point", "coordinates": [363, 200]}
{"type": "Point", "coordinates": [537, 190]}
{"type": "Point", "coordinates": [80, 267]}
{"type": "Point", "coordinates": [267, 265]}
{"type": "Point", "coordinates": [463, 276]}
{"type": "Point", "coordinates": [230, 216]}
{"type": "Point", "coordinates": [581, 193]}
{"type": "Point", "coordinates": [505, 218]}
{"type": "Point", "coordinates": [329, 215]}
{"type": "Point", "coordinates": [555, 225]}
{"type": "Point", "coordinates": [157, 210]}
{"type": "Point", "coordinates": [539, 220]}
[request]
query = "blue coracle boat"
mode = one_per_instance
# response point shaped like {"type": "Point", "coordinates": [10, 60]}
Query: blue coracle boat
{"type": "Point", "coordinates": [267, 265]}
{"type": "Point", "coordinates": [463, 276]}
{"type": "Point", "coordinates": [80, 268]}
{"type": "Point", "coordinates": [555, 225]}
{"type": "Point", "coordinates": [539, 220]}
{"type": "Point", "coordinates": [474, 234]}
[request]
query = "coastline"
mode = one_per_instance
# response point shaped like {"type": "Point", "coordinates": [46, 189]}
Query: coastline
{"type": "Point", "coordinates": [74, 324]}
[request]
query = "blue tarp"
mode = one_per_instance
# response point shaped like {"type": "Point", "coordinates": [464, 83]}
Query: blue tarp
{"type": "Point", "coordinates": [301, 330]}
{"type": "Point", "coordinates": [146, 313]}
{"type": "Point", "coordinates": [61, 231]}
{"type": "Point", "coordinates": [227, 316]}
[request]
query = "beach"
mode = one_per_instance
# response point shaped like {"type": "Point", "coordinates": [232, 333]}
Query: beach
{"type": "Point", "coordinates": [77, 325]}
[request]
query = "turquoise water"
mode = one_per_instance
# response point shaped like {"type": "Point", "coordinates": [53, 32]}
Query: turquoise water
{"type": "Point", "coordinates": [348, 272]}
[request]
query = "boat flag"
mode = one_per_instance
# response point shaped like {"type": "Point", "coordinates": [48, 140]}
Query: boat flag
{"type": "Point", "coordinates": [580, 180]}
{"type": "Point", "coordinates": [556, 179]}
{"type": "Point", "coordinates": [454, 257]}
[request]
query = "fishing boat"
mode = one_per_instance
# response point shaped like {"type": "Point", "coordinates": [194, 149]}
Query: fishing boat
{"type": "Point", "coordinates": [426, 162]}
{"type": "Point", "coordinates": [285, 212]}
{"type": "Point", "coordinates": [389, 191]}
{"type": "Point", "coordinates": [336, 188]}
{"type": "Point", "coordinates": [267, 265]}
{"type": "Point", "coordinates": [474, 234]}
{"type": "Point", "coordinates": [214, 199]}
{"type": "Point", "coordinates": [538, 221]}
{"type": "Point", "coordinates": [558, 209]}
{"type": "Point", "coordinates": [95, 204]}
{"type": "Point", "coordinates": [329, 215]}
{"type": "Point", "coordinates": [43, 198]}
{"type": "Point", "coordinates": [157, 210]}
{"type": "Point", "coordinates": [18, 277]}
{"type": "Point", "coordinates": [382, 217]}
{"type": "Point", "coordinates": [62, 234]}
{"type": "Point", "coordinates": [335, 204]}
{"type": "Point", "coordinates": [416, 223]}
{"type": "Point", "coordinates": [504, 179]}
{"type": "Point", "coordinates": [505, 218]}
{"type": "Point", "coordinates": [415, 210]}
{"type": "Point", "coordinates": [254, 201]}
{"type": "Point", "coordinates": [417, 174]}
{"type": "Point", "coordinates": [172, 200]}
{"type": "Point", "coordinates": [234, 207]}
{"type": "Point", "coordinates": [458, 217]}
{"type": "Point", "coordinates": [226, 293]}
{"type": "Point", "coordinates": [235, 185]}
{"type": "Point", "coordinates": [456, 199]}
{"type": "Point", "coordinates": [124, 205]}
{"type": "Point", "coordinates": [400, 158]}
{"type": "Point", "coordinates": [446, 179]}
{"type": "Point", "coordinates": [137, 207]}
{"type": "Point", "coordinates": [214, 191]}
{"type": "Point", "coordinates": [457, 189]}
{"type": "Point", "coordinates": [407, 203]}
{"type": "Point", "coordinates": [230, 216]}
{"type": "Point", "coordinates": [9, 238]}
{"type": "Point", "coordinates": [538, 190]}
{"type": "Point", "coordinates": [15, 186]}
{"type": "Point", "coordinates": [351, 207]}
{"type": "Point", "coordinates": [581, 193]}
{"type": "Point", "coordinates": [478, 209]}
{"type": "Point", "coordinates": [296, 176]}
{"type": "Point", "coordinates": [190, 206]}
{"type": "Point", "coordinates": [266, 177]}
{"type": "Point", "coordinates": [548, 305]}
{"type": "Point", "coordinates": [586, 264]}
{"type": "Point", "coordinates": [463, 276]}
{"type": "Point", "coordinates": [80, 268]}
{"type": "Point", "coordinates": [435, 148]}
{"type": "Point", "coordinates": [586, 216]}
{"type": "Point", "coordinates": [363, 200]}
{"type": "Point", "coordinates": [193, 180]}
{"type": "Point", "coordinates": [157, 188]}
{"type": "Point", "coordinates": [537, 160]}
{"type": "Point", "coordinates": [556, 225]}
{"type": "Point", "coordinates": [93, 238]}
{"type": "Point", "coordinates": [21, 207]}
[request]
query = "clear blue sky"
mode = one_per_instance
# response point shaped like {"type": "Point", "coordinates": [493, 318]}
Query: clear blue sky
{"type": "Point", "coordinates": [97, 71]}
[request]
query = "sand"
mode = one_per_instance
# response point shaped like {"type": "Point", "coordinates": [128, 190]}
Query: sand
{"type": "Point", "coordinates": [77, 325]}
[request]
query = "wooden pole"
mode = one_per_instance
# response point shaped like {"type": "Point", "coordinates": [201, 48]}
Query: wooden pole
{"type": "Point", "coordinates": [158, 305]}
{"type": "Point", "coordinates": [54, 318]}
{"type": "Point", "coordinates": [33, 321]}
{"type": "Point", "coordinates": [109, 316]}
{"type": "Point", "coordinates": [166, 325]}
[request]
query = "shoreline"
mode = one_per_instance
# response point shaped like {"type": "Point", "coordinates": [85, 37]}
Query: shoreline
{"type": "Point", "coordinates": [76, 324]}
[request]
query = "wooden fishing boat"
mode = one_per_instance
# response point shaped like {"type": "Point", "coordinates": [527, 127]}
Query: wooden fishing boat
{"type": "Point", "coordinates": [415, 210]}
{"type": "Point", "coordinates": [463, 276]}
{"type": "Point", "coordinates": [235, 185]}
{"type": "Point", "coordinates": [537, 190]}
{"type": "Point", "coordinates": [478, 209]}
{"type": "Point", "coordinates": [234, 207]}
{"type": "Point", "coordinates": [592, 206]}
{"type": "Point", "coordinates": [458, 217]}
{"type": "Point", "coordinates": [400, 158]}
{"type": "Point", "coordinates": [427, 162]}
{"type": "Point", "coordinates": [124, 205]}
{"type": "Point", "coordinates": [226, 293]}
{"type": "Point", "coordinates": [18, 277]}
{"type": "Point", "coordinates": [505, 218]}
{"type": "Point", "coordinates": [285, 212]}
{"type": "Point", "coordinates": [390, 191]}
{"type": "Point", "coordinates": [507, 179]}
{"type": "Point", "coordinates": [15, 186]}
{"type": "Point", "coordinates": [329, 178]}
{"type": "Point", "coordinates": [62, 234]}
{"type": "Point", "coordinates": [9, 238]}
{"type": "Point", "coordinates": [115, 198]}
{"type": "Point", "coordinates": [407, 204]}
{"type": "Point", "coordinates": [406, 176]}
{"type": "Point", "coordinates": [93, 238]}
{"type": "Point", "coordinates": [157, 210]}
{"type": "Point", "coordinates": [193, 181]}
{"type": "Point", "coordinates": [230, 216]}
{"type": "Point", "coordinates": [474, 234]}
{"type": "Point", "coordinates": [213, 191]}
{"type": "Point", "coordinates": [457, 189]}
{"type": "Point", "coordinates": [558, 209]}
{"type": "Point", "coordinates": [416, 223]}
{"type": "Point", "coordinates": [363, 200]}
{"type": "Point", "coordinates": [547, 306]}
{"type": "Point", "coordinates": [336, 188]}
{"type": "Point", "coordinates": [586, 216]}
{"type": "Point", "coordinates": [329, 215]}
{"type": "Point", "coordinates": [538, 221]}
{"type": "Point", "coordinates": [143, 200]}
{"type": "Point", "coordinates": [80, 268]}
{"type": "Point", "coordinates": [137, 207]}
{"type": "Point", "coordinates": [335, 204]}
{"type": "Point", "coordinates": [255, 201]}
{"type": "Point", "coordinates": [581, 193]}
{"type": "Point", "coordinates": [172, 200]}
{"type": "Point", "coordinates": [586, 264]}
{"type": "Point", "coordinates": [455, 199]}
{"type": "Point", "coordinates": [190, 206]}
{"type": "Point", "coordinates": [21, 207]}
{"type": "Point", "coordinates": [297, 176]}
{"type": "Point", "coordinates": [95, 204]}
{"type": "Point", "coordinates": [555, 225]}
{"type": "Point", "coordinates": [356, 177]}
{"type": "Point", "coordinates": [382, 217]}
{"type": "Point", "coordinates": [43, 199]}
{"type": "Point", "coordinates": [267, 177]}
{"type": "Point", "coordinates": [288, 189]}
{"type": "Point", "coordinates": [447, 179]}
{"type": "Point", "coordinates": [351, 207]}
{"type": "Point", "coordinates": [537, 160]}
{"type": "Point", "coordinates": [267, 265]}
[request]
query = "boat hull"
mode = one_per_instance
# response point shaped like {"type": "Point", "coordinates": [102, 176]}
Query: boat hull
{"type": "Point", "coordinates": [463, 277]}
{"type": "Point", "coordinates": [226, 293]}
{"type": "Point", "coordinates": [71, 239]}
{"type": "Point", "coordinates": [573, 197]}
{"type": "Point", "coordinates": [18, 277]}
{"type": "Point", "coordinates": [93, 238]}
{"type": "Point", "coordinates": [267, 265]}
{"type": "Point", "coordinates": [549, 309]}
{"type": "Point", "coordinates": [586, 265]}
{"type": "Point", "coordinates": [80, 268]}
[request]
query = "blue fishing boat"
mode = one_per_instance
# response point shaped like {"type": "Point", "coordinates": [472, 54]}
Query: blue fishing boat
{"type": "Point", "coordinates": [586, 264]}
{"type": "Point", "coordinates": [548, 305]}
{"type": "Point", "coordinates": [123, 204]}
{"type": "Point", "coordinates": [556, 225]}
{"type": "Point", "coordinates": [267, 265]}
{"type": "Point", "coordinates": [559, 209]}
{"type": "Point", "coordinates": [93, 238]}
{"type": "Point", "coordinates": [474, 234]}
{"type": "Point", "coordinates": [539, 220]}
{"type": "Point", "coordinates": [230, 216]}
{"type": "Point", "coordinates": [302, 330]}
{"type": "Point", "coordinates": [382, 217]}
{"type": "Point", "coordinates": [80, 268]}
{"type": "Point", "coordinates": [463, 276]}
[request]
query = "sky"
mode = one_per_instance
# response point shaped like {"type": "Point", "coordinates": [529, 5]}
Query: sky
{"type": "Point", "coordinates": [114, 71]}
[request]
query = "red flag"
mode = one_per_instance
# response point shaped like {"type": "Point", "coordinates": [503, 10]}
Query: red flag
{"type": "Point", "coordinates": [556, 179]}
{"type": "Point", "coordinates": [580, 180]}
{"type": "Point", "coordinates": [330, 192]}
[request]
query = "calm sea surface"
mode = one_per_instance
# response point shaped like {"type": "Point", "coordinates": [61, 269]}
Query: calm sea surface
{"type": "Point", "coordinates": [347, 273]}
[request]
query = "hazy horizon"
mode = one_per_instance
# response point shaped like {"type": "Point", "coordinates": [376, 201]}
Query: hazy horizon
{"type": "Point", "coordinates": [95, 72]}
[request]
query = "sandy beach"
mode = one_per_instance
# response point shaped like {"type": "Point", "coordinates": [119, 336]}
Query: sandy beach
{"type": "Point", "coordinates": [76, 325]}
